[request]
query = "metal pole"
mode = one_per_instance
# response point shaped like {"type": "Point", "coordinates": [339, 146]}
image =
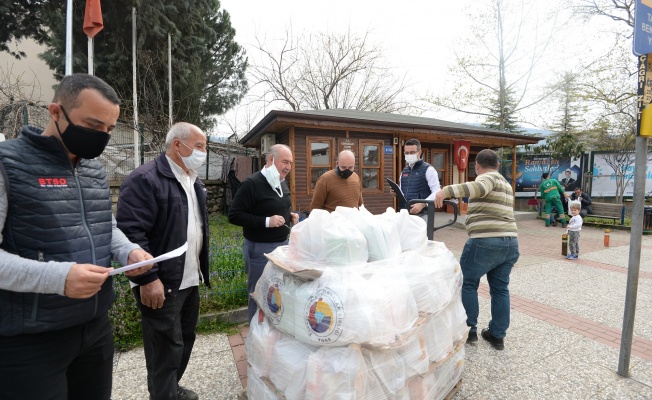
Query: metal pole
{"type": "Point", "coordinates": [170, 78]}
{"type": "Point", "coordinates": [634, 257]}
{"type": "Point", "coordinates": [134, 73]}
{"type": "Point", "coordinates": [69, 38]}
{"type": "Point", "coordinates": [91, 56]}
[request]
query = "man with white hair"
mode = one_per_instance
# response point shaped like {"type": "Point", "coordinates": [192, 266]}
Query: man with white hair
{"type": "Point", "coordinates": [262, 207]}
{"type": "Point", "coordinates": [338, 187]}
{"type": "Point", "coordinates": [162, 205]}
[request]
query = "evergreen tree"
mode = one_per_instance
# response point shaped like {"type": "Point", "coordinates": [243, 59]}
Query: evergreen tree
{"type": "Point", "coordinates": [208, 66]}
{"type": "Point", "coordinates": [502, 112]}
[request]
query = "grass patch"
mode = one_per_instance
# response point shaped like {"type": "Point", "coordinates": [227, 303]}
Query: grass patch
{"type": "Point", "coordinates": [228, 288]}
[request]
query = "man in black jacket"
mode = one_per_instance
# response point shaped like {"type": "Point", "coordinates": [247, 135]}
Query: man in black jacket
{"type": "Point", "coordinates": [262, 207]}
{"type": "Point", "coordinates": [162, 206]}
{"type": "Point", "coordinates": [585, 199]}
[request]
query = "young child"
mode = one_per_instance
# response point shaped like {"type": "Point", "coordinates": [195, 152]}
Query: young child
{"type": "Point", "coordinates": [574, 228]}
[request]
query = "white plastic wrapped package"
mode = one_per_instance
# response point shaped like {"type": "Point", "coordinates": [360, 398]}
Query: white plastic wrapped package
{"type": "Point", "coordinates": [383, 239]}
{"type": "Point", "coordinates": [275, 295]}
{"type": "Point", "coordinates": [336, 373]}
{"type": "Point", "coordinates": [431, 282]}
{"type": "Point", "coordinates": [353, 372]}
{"type": "Point", "coordinates": [411, 228]}
{"type": "Point", "coordinates": [385, 374]}
{"type": "Point", "coordinates": [327, 239]}
{"type": "Point", "coordinates": [257, 389]}
{"type": "Point", "coordinates": [438, 334]}
{"type": "Point", "coordinates": [457, 314]}
{"type": "Point", "coordinates": [437, 384]}
{"type": "Point", "coordinates": [344, 307]}
{"type": "Point", "coordinates": [414, 353]}
{"type": "Point", "coordinates": [260, 344]}
{"type": "Point", "coordinates": [290, 359]}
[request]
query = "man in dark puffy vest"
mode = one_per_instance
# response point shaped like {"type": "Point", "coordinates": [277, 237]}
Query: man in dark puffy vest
{"type": "Point", "coordinates": [419, 180]}
{"type": "Point", "coordinates": [58, 238]}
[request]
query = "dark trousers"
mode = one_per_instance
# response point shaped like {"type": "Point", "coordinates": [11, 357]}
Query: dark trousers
{"type": "Point", "coordinates": [255, 261]}
{"type": "Point", "coordinates": [168, 337]}
{"type": "Point", "coordinates": [72, 363]}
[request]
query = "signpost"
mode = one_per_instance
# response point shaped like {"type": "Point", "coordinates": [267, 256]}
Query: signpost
{"type": "Point", "coordinates": [642, 48]}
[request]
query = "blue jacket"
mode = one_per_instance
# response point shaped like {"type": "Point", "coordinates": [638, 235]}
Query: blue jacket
{"type": "Point", "coordinates": [153, 212]}
{"type": "Point", "coordinates": [414, 184]}
{"type": "Point", "coordinates": [55, 213]}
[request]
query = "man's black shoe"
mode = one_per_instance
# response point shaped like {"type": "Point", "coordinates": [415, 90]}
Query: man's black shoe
{"type": "Point", "coordinates": [497, 344]}
{"type": "Point", "coordinates": [473, 337]}
{"type": "Point", "coordinates": [186, 394]}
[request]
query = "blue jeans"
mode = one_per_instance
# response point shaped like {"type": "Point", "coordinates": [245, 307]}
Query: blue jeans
{"type": "Point", "coordinates": [494, 257]}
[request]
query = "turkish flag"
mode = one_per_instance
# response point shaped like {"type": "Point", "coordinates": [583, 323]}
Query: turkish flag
{"type": "Point", "coordinates": [93, 23]}
{"type": "Point", "coordinates": [462, 148]}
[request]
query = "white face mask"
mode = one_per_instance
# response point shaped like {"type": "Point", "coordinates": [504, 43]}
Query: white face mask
{"type": "Point", "coordinates": [274, 177]}
{"type": "Point", "coordinates": [411, 158]}
{"type": "Point", "coordinates": [194, 160]}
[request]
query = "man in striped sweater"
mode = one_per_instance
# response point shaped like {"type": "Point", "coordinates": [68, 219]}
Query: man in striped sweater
{"type": "Point", "coordinates": [492, 246]}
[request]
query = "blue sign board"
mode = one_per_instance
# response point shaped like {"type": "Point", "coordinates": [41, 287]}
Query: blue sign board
{"type": "Point", "coordinates": [389, 149]}
{"type": "Point", "coordinates": [643, 27]}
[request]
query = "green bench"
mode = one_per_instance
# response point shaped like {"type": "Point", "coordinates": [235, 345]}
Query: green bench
{"type": "Point", "coordinates": [608, 211]}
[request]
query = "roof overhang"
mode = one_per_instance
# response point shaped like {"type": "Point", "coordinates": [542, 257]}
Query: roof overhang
{"type": "Point", "coordinates": [277, 121]}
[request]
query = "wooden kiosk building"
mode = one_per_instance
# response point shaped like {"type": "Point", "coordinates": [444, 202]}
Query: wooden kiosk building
{"type": "Point", "coordinates": [376, 139]}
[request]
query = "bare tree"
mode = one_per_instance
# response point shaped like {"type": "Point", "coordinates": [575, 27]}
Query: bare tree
{"type": "Point", "coordinates": [17, 92]}
{"type": "Point", "coordinates": [496, 67]}
{"type": "Point", "coordinates": [324, 71]}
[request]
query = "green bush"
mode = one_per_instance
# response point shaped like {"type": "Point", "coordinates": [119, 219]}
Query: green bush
{"type": "Point", "coordinates": [228, 286]}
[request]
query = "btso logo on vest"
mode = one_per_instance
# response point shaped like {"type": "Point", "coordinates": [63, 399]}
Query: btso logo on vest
{"type": "Point", "coordinates": [52, 182]}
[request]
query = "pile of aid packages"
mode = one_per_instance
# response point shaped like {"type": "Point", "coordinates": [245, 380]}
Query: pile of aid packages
{"type": "Point", "coordinates": [357, 306]}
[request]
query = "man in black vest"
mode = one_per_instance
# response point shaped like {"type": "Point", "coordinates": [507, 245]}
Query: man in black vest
{"type": "Point", "coordinates": [419, 180]}
{"type": "Point", "coordinates": [59, 236]}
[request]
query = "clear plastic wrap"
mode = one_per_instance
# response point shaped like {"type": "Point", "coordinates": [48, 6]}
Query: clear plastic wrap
{"type": "Point", "coordinates": [355, 372]}
{"type": "Point", "coordinates": [383, 239]}
{"type": "Point", "coordinates": [343, 306]}
{"type": "Point", "coordinates": [329, 239]}
{"type": "Point", "coordinates": [260, 344]}
{"type": "Point", "coordinates": [338, 327]}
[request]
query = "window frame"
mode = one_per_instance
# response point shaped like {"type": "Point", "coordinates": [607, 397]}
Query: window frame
{"type": "Point", "coordinates": [309, 141]}
{"type": "Point", "coordinates": [380, 167]}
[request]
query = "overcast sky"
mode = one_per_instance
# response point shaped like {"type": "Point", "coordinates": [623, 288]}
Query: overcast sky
{"type": "Point", "coordinates": [417, 36]}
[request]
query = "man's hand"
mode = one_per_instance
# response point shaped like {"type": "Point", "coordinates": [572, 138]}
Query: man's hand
{"type": "Point", "coordinates": [152, 295]}
{"type": "Point", "coordinates": [275, 221]}
{"type": "Point", "coordinates": [416, 208]}
{"type": "Point", "coordinates": [295, 218]}
{"type": "Point", "coordinates": [84, 280]}
{"type": "Point", "coordinates": [138, 255]}
{"type": "Point", "coordinates": [439, 199]}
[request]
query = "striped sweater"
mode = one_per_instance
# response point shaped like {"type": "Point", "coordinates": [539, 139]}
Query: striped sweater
{"type": "Point", "coordinates": [491, 205]}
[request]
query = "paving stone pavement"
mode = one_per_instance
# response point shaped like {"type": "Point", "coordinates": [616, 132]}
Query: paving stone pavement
{"type": "Point", "coordinates": [563, 342]}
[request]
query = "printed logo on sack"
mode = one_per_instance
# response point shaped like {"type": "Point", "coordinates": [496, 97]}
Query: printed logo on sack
{"type": "Point", "coordinates": [52, 182]}
{"type": "Point", "coordinates": [324, 316]}
{"type": "Point", "coordinates": [273, 299]}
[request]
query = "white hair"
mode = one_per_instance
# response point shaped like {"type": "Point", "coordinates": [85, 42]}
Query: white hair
{"type": "Point", "coordinates": [181, 131]}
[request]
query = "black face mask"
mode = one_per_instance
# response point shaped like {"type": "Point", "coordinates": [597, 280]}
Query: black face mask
{"type": "Point", "coordinates": [83, 142]}
{"type": "Point", "coordinates": [343, 174]}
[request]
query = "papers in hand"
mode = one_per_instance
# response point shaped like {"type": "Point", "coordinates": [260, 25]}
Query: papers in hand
{"type": "Point", "coordinates": [397, 190]}
{"type": "Point", "coordinates": [162, 257]}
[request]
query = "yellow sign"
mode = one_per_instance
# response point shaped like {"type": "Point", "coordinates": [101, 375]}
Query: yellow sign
{"type": "Point", "coordinates": [644, 95]}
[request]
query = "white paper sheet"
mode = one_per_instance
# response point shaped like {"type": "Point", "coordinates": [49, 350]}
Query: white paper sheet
{"type": "Point", "coordinates": [162, 257]}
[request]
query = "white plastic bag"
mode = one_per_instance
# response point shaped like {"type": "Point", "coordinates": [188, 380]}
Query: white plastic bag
{"type": "Point", "coordinates": [328, 239]}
